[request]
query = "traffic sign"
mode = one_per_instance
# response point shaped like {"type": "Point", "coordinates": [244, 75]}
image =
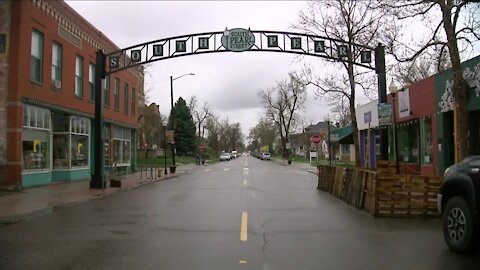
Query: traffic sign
{"type": "Point", "coordinates": [201, 147]}
{"type": "Point", "coordinates": [315, 139]}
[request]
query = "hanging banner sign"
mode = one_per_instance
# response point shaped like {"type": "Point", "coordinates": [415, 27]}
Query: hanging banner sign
{"type": "Point", "coordinates": [385, 112]}
{"type": "Point", "coordinates": [169, 134]}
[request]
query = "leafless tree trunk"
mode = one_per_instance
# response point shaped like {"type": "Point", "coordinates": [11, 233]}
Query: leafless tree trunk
{"type": "Point", "coordinates": [461, 25]}
{"type": "Point", "coordinates": [282, 103]}
{"type": "Point", "coordinates": [199, 114]}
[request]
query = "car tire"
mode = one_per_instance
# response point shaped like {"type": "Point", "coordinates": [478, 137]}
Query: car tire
{"type": "Point", "coordinates": [459, 229]}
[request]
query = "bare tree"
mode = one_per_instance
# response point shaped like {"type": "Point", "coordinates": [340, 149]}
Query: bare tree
{"type": "Point", "coordinates": [461, 28]}
{"type": "Point", "coordinates": [351, 22]}
{"type": "Point", "coordinates": [151, 127]}
{"type": "Point", "coordinates": [342, 112]}
{"type": "Point", "coordinates": [282, 103]}
{"type": "Point", "coordinates": [263, 134]}
{"type": "Point", "coordinates": [199, 114]}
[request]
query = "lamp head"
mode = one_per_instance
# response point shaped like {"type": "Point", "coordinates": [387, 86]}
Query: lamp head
{"type": "Point", "coordinates": [392, 88]}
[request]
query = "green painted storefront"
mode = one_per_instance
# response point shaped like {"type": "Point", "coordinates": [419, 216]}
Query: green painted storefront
{"type": "Point", "coordinates": [45, 160]}
{"type": "Point", "coordinates": [443, 94]}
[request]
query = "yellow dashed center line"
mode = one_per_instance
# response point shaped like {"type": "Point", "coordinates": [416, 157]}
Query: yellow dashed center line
{"type": "Point", "coordinates": [244, 182]}
{"type": "Point", "coordinates": [242, 262]}
{"type": "Point", "coordinates": [243, 228]}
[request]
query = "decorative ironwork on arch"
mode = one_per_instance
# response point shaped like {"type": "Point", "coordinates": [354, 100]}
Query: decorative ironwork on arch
{"type": "Point", "coordinates": [234, 40]}
{"type": "Point", "coordinates": [263, 41]}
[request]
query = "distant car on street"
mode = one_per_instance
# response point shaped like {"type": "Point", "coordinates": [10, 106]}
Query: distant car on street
{"type": "Point", "coordinates": [265, 156]}
{"type": "Point", "coordinates": [459, 203]}
{"type": "Point", "coordinates": [234, 154]}
{"type": "Point", "coordinates": [225, 157]}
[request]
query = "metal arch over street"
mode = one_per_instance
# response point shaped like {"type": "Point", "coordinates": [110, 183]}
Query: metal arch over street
{"type": "Point", "coordinates": [264, 41]}
{"type": "Point", "coordinates": [234, 40]}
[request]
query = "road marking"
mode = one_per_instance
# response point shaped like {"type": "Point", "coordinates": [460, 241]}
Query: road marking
{"type": "Point", "coordinates": [207, 170]}
{"type": "Point", "coordinates": [226, 169]}
{"type": "Point", "coordinates": [244, 182]}
{"type": "Point", "coordinates": [242, 262]}
{"type": "Point", "coordinates": [243, 228]}
{"type": "Point", "coordinates": [245, 171]}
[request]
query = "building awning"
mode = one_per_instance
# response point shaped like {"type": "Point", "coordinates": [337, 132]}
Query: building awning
{"type": "Point", "coordinates": [343, 135]}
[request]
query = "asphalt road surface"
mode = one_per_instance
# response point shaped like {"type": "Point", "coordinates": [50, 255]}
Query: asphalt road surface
{"type": "Point", "coordinates": [241, 214]}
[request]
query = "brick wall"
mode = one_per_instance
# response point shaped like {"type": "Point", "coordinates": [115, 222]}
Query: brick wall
{"type": "Point", "coordinates": [5, 17]}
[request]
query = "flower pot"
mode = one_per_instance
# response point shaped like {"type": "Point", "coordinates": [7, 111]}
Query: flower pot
{"type": "Point", "coordinates": [173, 169]}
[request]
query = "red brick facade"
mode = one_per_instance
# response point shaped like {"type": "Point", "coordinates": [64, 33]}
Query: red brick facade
{"type": "Point", "coordinates": [48, 18]}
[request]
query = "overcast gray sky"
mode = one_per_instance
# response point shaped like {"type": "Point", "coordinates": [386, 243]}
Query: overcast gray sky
{"type": "Point", "coordinates": [227, 81]}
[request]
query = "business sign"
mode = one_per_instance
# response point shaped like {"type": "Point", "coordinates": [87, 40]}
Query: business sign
{"type": "Point", "coordinates": [238, 39]}
{"type": "Point", "coordinates": [367, 117]}
{"type": "Point", "coordinates": [404, 103]}
{"type": "Point", "coordinates": [385, 111]}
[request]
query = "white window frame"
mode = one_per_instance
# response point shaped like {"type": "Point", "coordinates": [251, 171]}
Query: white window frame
{"type": "Point", "coordinates": [78, 76]}
{"type": "Point", "coordinates": [33, 111]}
{"type": "Point", "coordinates": [56, 62]}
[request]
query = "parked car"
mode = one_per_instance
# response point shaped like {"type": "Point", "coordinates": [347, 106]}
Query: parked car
{"type": "Point", "coordinates": [459, 203]}
{"type": "Point", "coordinates": [225, 157]}
{"type": "Point", "coordinates": [265, 156]}
{"type": "Point", "coordinates": [234, 154]}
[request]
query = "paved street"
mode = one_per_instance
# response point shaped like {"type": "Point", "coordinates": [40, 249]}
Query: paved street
{"type": "Point", "coordinates": [241, 214]}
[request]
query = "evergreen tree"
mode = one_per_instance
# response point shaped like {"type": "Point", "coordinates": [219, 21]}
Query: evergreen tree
{"type": "Point", "coordinates": [184, 127]}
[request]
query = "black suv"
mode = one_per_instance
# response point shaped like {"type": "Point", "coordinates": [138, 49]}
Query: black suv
{"type": "Point", "coordinates": [459, 203]}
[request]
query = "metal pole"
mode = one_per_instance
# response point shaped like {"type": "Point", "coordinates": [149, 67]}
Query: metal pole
{"type": "Point", "coordinates": [165, 148]}
{"type": "Point", "coordinates": [329, 143]}
{"type": "Point", "coordinates": [97, 180]}
{"type": "Point", "coordinates": [395, 141]}
{"type": "Point", "coordinates": [171, 118]}
{"type": "Point", "coordinates": [382, 94]}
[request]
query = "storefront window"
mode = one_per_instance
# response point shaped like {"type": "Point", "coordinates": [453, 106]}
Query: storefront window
{"type": "Point", "coordinates": [35, 138]}
{"type": "Point", "coordinates": [408, 142]}
{"type": "Point", "coordinates": [60, 151]}
{"type": "Point", "coordinates": [427, 143]}
{"type": "Point", "coordinates": [35, 149]}
{"type": "Point", "coordinates": [80, 128]}
{"type": "Point", "coordinates": [121, 145]}
{"type": "Point", "coordinates": [79, 150]}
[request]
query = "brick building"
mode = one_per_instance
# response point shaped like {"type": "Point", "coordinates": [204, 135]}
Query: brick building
{"type": "Point", "coordinates": [47, 63]}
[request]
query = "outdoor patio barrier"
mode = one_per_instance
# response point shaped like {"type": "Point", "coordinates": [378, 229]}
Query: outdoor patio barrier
{"type": "Point", "coordinates": [381, 192]}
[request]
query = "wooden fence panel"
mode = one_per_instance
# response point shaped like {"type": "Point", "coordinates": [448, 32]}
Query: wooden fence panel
{"type": "Point", "coordinates": [382, 193]}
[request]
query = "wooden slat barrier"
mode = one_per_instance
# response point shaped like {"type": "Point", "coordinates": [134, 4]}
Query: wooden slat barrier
{"type": "Point", "coordinates": [381, 192]}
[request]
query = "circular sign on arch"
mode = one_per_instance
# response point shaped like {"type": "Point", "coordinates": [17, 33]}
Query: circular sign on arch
{"type": "Point", "coordinates": [238, 39]}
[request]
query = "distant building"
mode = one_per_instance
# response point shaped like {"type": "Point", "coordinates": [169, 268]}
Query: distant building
{"type": "Point", "coordinates": [301, 142]}
{"type": "Point", "coordinates": [47, 62]}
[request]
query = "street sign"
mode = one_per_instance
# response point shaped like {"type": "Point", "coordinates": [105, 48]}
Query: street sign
{"type": "Point", "coordinates": [201, 147]}
{"type": "Point", "coordinates": [238, 39]}
{"type": "Point", "coordinates": [315, 139]}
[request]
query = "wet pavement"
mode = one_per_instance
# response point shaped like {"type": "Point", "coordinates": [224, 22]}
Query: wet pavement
{"type": "Point", "coordinates": [16, 206]}
{"type": "Point", "coordinates": [241, 214]}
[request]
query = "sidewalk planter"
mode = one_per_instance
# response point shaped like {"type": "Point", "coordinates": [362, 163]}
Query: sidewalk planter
{"type": "Point", "coordinates": [382, 193]}
{"type": "Point", "coordinates": [289, 162]}
{"type": "Point", "coordinates": [173, 169]}
{"type": "Point", "coordinates": [159, 172]}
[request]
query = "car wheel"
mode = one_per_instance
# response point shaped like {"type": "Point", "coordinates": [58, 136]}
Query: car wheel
{"type": "Point", "coordinates": [458, 228]}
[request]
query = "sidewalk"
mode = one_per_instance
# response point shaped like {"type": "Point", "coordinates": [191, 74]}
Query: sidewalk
{"type": "Point", "coordinates": [300, 165]}
{"type": "Point", "coordinates": [31, 202]}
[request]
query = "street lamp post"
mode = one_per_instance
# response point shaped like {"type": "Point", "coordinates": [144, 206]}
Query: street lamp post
{"type": "Point", "coordinates": [171, 110]}
{"type": "Point", "coordinates": [165, 148]}
{"type": "Point", "coordinates": [392, 88]}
